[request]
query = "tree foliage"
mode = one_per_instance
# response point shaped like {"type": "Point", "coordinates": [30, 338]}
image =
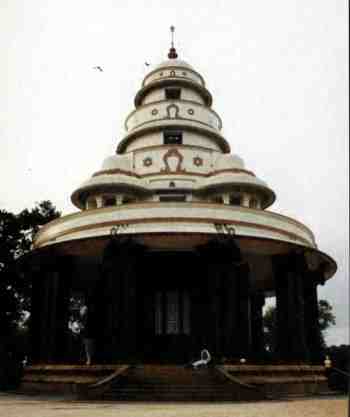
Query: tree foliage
{"type": "Point", "coordinates": [16, 237]}
{"type": "Point", "coordinates": [325, 320]}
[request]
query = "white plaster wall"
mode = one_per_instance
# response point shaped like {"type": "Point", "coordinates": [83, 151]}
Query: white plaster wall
{"type": "Point", "coordinates": [183, 110]}
{"type": "Point", "coordinates": [182, 73]}
{"type": "Point", "coordinates": [159, 94]}
{"type": "Point", "coordinates": [187, 94]}
{"type": "Point", "coordinates": [154, 95]}
{"type": "Point", "coordinates": [163, 183]}
{"type": "Point", "coordinates": [194, 139]}
{"type": "Point", "coordinates": [189, 138]}
{"type": "Point", "coordinates": [123, 162]}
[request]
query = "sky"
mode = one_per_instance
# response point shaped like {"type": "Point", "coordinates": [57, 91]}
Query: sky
{"type": "Point", "coordinates": [277, 70]}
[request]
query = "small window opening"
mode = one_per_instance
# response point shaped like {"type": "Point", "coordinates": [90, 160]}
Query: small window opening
{"type": "Point", "coordinates": [173, 137]}
{"type": "Point", "coordinates": [172, 93]}
{"type": "Point", "coordinates": [129, 200]}
{"type": "Point", "coordinates": [109, 201]}
{"type": "Point", "coordinates": [235, 200]}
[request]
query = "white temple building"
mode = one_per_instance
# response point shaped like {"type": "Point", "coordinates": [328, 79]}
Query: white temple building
{"type": "Point", "coordinates": [174, 245]}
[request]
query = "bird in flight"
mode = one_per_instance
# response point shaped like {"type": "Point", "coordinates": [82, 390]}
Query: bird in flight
{"type": "Point", "coordinates": [147, 64]}
{"type": "Point", "coordinates": [98, 68]}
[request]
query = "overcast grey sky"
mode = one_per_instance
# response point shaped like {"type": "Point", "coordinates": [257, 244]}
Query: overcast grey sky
{"type": "Point", "coordinates": [277, 70]}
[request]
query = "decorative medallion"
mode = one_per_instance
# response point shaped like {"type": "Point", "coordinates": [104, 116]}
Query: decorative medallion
{"type": "Point", "coordinates": [161, 74]}
{"type": "Point", "coordinates": [147, 162]}
{"type": "Point", "coordinates": [197, 161]}
{"type": "Point", "coordinates": [225, 229]}
{"type": "Point", "coordinates": [172, 184]}
{"type": "Point", "coordinates": [154, 112]}
{"type": "Point", "coordinates": [184, 73]}
{"type": "Point", "coordinates": [173, 153]}
{"type": "Point", "coordinates": [190, 111]}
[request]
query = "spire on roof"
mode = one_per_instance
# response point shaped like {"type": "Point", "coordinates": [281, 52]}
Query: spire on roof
{"type": "Point", "coordinates": [172, 52]}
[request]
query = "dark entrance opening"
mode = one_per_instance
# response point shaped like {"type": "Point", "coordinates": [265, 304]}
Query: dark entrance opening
{"type": "Point", "coordinates": [165, 306]}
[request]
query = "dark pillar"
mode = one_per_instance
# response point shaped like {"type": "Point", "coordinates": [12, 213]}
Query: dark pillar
{"type": "Point", "coordinates": [202, 320]}
{"type": "Point", "coordinates": [230, 314]}
{"type": "Point", "coordinates": [216, 302]}
{"type": "Point", "coordinates": [37, 314]}
{"type": "Point", "coordinates": [244, 311]}
{"type": "Point", "coordinates": [50, 280]}
{"type": "Point", "coordinates": [312, 327]}
{"type": "Point", "coordinates": [128, 325]}
{"type": "Point", "coordinates": [117, 337]}
{"type": "Point", "coordinates": [51, 284]}
{"type": "Point", "coordinates": [258, 348]}
{"type": "Point", "coordinates": [65, 270]}
{"type": "Point", "coordinates": [227, 323]}
{"type": "Point", "coordinates": [290, 333]}
{"type": "Point", "coordinates": [216, 333]}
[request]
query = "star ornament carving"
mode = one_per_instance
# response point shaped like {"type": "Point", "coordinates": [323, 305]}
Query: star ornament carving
{"type": "Point", "coordinates": [147, 162]}
{"type": "Point", "coordinates": [198, 161]}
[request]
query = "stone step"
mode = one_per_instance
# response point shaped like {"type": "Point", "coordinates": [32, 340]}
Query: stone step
{"type": "Point", "coordinates": [171, 386]}
{"type": "Point", "coordinates": [180, 396]}
{"type": "Point", "coordinates": [175, 383]}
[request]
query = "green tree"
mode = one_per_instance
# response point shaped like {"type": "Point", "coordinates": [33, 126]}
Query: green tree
{"type": "Point", "coordinates": [326, 319]}
{"type": "Point", "coordinates": [16, 237]}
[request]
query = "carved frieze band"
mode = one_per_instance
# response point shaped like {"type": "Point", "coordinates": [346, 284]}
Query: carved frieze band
{"type": "Point", "coordinates": [133, 174]}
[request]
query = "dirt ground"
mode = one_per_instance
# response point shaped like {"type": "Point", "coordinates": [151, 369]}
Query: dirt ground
{"type": "Point", "coordinates": [25, 406]}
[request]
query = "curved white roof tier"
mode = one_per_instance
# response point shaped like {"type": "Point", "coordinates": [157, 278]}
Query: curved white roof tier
{"type": "Point", "coordinates": [174, 63]}
{"type": "Point", "coordinates": [228, 161]}
{"type": "Point", "coordinates": [174, 182]}
{"type": "Point", "coordinates": [122, 162]}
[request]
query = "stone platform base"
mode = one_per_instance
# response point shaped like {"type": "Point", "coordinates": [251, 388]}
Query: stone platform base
{"type": "Point", "coordinates": [63, 378]}
{"type": "Point", "coordinates": [270, 381]}
{"type": "Point", "coordinates": [277, 380]}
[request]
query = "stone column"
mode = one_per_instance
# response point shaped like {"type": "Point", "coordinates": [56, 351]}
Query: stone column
{"type": "Point", "coordinates": [109, 307]}
{"type": "Point", "coordinates": [216, 316]}
{"type": "Point", "coordinates": [244, 323]}
{"type": "Point", "coordinates": [130, 253]}
{"type": "Point", "coordinates": [214, 287]}
{"type": "Point", "coordinates": [230, 314]}
{"type": "Point", "coordinates": [51, 289]}
{"type": "Point", "coordinates": [282, 315]}
{"type": "Point", "coordinates": [202, 301]}
{"type": "Point", "coordinates": [117, 301]}
{"type": "Point", "coordinates": [235, 307]}
{"type": "Point", "coordinates": [48, 319]}
{"type": "Point", "coordinates": [312, 327]}
{"type": "Point", "coordinates": [65, 271]}
{"type": "Point", "coordinates": [257, 303]}
{"type": "Point", "coordinates": [290, 333]}
{"type": "Point", "coordinates": [37, 314]}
